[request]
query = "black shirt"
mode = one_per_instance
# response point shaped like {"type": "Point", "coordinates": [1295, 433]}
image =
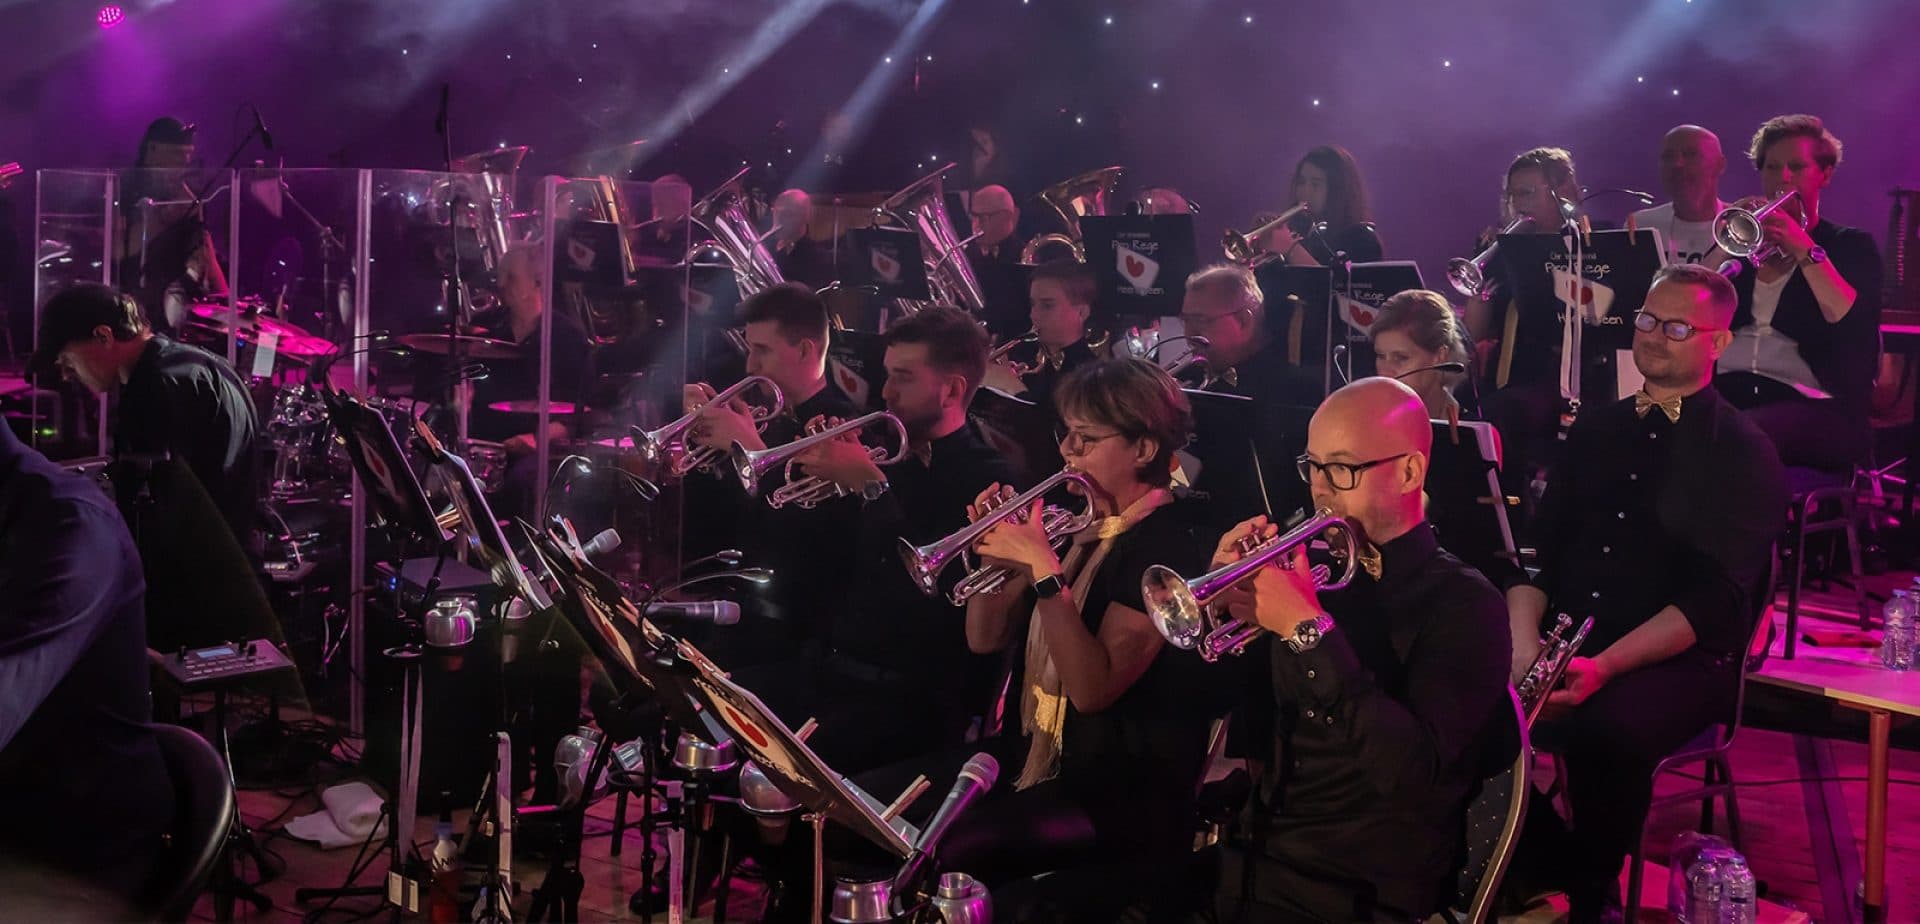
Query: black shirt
{"type": "Point", "coordinates": [1643, 513]}
{"type": "Point", "coordinates": [518, 379]}
{"type": "Point", "coordinates": [1360, 242]}
{"type": "Point", "coordinates": [1382, 729]}
{"type": "Point", "coordinates": [810, 551]}
{"type": "Point", "coordinates": [1004, 285]}
{"type": "Point", "coordinates": [82, 782]}
{"type": "Point", "coordinates": [183, 400]}
{"type": "Point", "coordinates": [1046, 376]}
{"type": "Point", "coordinates": [888, 621]}
{"type": "Point", "coordinates": [808, 262]}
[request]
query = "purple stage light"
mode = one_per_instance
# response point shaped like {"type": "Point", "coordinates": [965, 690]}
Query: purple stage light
{"type": "Point", "coordinates": [110, 15]}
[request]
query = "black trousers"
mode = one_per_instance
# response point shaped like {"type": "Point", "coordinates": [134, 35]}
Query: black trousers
{"type": "Point", "coordinates": [1610, 745]}
{"type": "Point", "coordinates": [1818, 433]}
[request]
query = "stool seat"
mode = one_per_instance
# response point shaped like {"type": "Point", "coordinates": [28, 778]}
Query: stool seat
{"type": "Point", "coordinates": [1822, 502]}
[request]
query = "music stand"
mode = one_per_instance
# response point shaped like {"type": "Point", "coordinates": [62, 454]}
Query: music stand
{"type": "Point", "coordinates": [1019, 428]}
{"type": "Point", "coordinates": [1369, 285]}
{"type": "Point", "coordinates": [1245, 448]}
{"type": "Point", "coordinates": [1299, 306]}
{"type": "Point", "coordinates": [889, 261]}
{"type": "Point", "coordinates": [1140, 264]}
{"type": "Point", "coordinates": [857, 362]}
{"type": "Point", "coordinates": [1465, 501]}
{"type": "Point", "coordinates": [1618, 268]}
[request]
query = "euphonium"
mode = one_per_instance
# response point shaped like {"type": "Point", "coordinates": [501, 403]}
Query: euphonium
{"type": "Point", "coordinates": [1071, 200]}
{"type": "Point", "coordinates": [926, 563]}
{"type": "Point", "coordinates": [667, 446]}
{"type": "Point", "coordinates": [922, 208]}
{"type": "Point", "coordinates": [723, 213]}
{"type": "Point", "coordinates": [1245, 249]}
{"type": "Point", "coordinates": [1742, 232]}
{"type": "Point", "coordinates": [751, 465]}
{"type": "Point", "coordinates": [1183, 609]}
{"type": "Point", "coordinates": [1469, 277]}
{"type": "Point", "coordinates": [1543, 675]}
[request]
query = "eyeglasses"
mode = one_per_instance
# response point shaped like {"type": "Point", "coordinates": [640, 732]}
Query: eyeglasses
{"type": "Point", "coordinates": [1076, 442]}
{"type": "Point", "coordinates": [1676, 331]}
{"type": "Point", "coordinates": [1341, 476]}
{"type": "Point", "coordinates": [984, 216]}
{"type": "Point", "coordinates": [1202, 321]}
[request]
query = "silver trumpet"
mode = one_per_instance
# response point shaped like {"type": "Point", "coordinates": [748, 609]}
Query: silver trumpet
{"type": "Point", "coordinates": [1183, 609]}
{"type": "Point", "coordinates": [1742, 232]}
{"type": "Point", "coordinates": [1469, 277]}
{"type": "Point", "coordinates": [667, 448]}
{"type": "Point", "coordinates": [1543, 675]}
{"type": "Point", "coordinates": [926, 562]}
{"type": "Point", "coordinates": [752, 465]}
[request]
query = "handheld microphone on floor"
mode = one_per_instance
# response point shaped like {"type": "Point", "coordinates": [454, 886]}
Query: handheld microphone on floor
{"type": "Point", "coordinates": [976, 780]}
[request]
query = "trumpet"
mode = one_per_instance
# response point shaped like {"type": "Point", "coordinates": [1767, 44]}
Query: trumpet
{"type": "Point", "coordinates": [667, 447]}
{"type": "Point", "coordinates": [1469, 277]}
{"type": "Point", "coordinates": [1183, 609]}
{"type": "Point", "coordinates": [926, 562]}
{"type": "Point", "coordinates": [1741, 232]}
{"type": "Point", "coordinates": [1245, 249]}
{"type": "Point", "coordinates": [1543, 675]}
{"type": "Point", "coordinates": [1020, 370]}
{"type": "Point", "coordinates": [752, 465]}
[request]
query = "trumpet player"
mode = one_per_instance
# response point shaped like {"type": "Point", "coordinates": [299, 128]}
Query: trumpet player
{"type": "Point", "coordinates": [787, 334]}
{"type": "Point", "coordinates": [1385, 696]}
{"type": "Point", "coordinates": [1327, 180]}
{"type": "Point", "coordinates": [894, 679]}
{"type": "Point", "coordinates": [1061, 298]}
{"type": "Point", "coordinates": [1224, 304]}
{"type": "Point", "coordinates": [1657, 523]}
{"type": "Point", "coordinates": [1808, 322]}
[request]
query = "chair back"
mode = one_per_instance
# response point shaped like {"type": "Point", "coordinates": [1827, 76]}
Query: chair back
{"type": "Point", "coordinates": [204, 812]}
{"type": "Point", "coordinates": [1494, 816]}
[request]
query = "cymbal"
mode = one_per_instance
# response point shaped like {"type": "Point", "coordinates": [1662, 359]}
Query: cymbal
{"type": "Point", "coordinates": [471, 347]}
{"type": "Point", "coordinates": [532, 406]}
{"type": "Point", "coordinates": [290, 340]}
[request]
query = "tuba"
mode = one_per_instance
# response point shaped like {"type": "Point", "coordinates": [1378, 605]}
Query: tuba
{"type": "Point", "coordinates": [1742, 232]}
{"type": "Point", "coordinates": [752, 465]}
{"type": "Point", "coordinates": [1069, 201]}
{"type": "Point", "coordinates": [1245, 249]}
{"type": "Point", "coordinates": [666, 447]}
{"type": "Point", "coordinates": [922, 207]}
{"type": "Point", "coordinates": [1469, 277]}
{"type": "Point", "coordinates": [1183, 609]}
{"type": "Point", "coordinates": [1543, 675]}
{"type": "Point", "coordinates": [925, 563]}
{"type": "Point", "coordinates": [723, 215]}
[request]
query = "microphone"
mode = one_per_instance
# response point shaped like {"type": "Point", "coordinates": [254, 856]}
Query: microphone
{"type": "Point", "coordinates": [606, 541]}
{"type": "Point", "coordinates": [976, 780]}
{"type": "Point", "coordinates": [1449, 366]}
{"type": "Point", "coordinates": [718, 612]}
{"type": "Point", "coordinates": [260, 127]}
{"type": "Point", "coordinates": [1733, 268]}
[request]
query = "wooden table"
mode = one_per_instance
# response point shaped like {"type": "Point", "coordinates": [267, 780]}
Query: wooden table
{"type": "Point", "coordinates": [1900, 333]}
{"type": "Point", "coordinates": [1854, 678]}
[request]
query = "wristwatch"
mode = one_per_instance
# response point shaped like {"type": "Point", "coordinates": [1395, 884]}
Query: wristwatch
{"type": "Point", "coordinates": [1306, 636]}
{"type": "Point", "coordinates": [1816, 254]}
{"type": "Point", "coordinates": [1049, 586]}
{"type": "Point", "coordinates": [872, 490]}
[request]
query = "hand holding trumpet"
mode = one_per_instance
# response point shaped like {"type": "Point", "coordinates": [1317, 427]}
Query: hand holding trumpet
{"type": "Point", "coordinates": [842, 460]}
{"type": "Point", "coordinates": [721, 423]}
{"type": "Point", "coordinates": [1018, 543]}
{"type": "Point", "coordinates": [1280, 596]}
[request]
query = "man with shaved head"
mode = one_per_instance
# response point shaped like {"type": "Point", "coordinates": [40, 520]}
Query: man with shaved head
{"type": "Point", "coordinates": [1691, 163]}
{"type": "Point", "coordinates": [1658, 523]}
{"type": "Point", "coordinates": [1388, 697]}
{"type": "Point", "coordinates": [801, 258]}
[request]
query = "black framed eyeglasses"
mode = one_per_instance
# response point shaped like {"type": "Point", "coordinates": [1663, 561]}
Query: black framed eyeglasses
{"type": "Point", "coordinates": [1676, 331]}
{"type": "Point", "coordinates": [1341, 476]}
{"type": "Point", "coordinates": [1077, 443]}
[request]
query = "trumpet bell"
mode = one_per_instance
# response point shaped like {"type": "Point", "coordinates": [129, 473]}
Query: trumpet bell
{"type": "Point", "coordinates": [1465, 276]}
{"type": "Point", "coordinates": [1178, 615]}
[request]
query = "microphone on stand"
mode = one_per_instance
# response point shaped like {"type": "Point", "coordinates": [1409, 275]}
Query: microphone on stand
{"type": "Point", "coordinates": [718, 612]}
{"type": "Point", "coordinates": [260, 128]}
{"type": "Point", "coordinates": [606, 541]}
{"type": "Point", "coordinates": [976, 780]}
{"type": "Point", "coordinates": [1448, 366]}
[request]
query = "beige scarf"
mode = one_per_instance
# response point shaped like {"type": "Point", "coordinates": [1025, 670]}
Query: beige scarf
{"type": "Point", "coordinates": [1043, 704]}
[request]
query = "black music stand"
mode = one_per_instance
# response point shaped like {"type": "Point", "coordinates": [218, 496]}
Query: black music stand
{"type": "Point", "coordinates": [1465, 502]}
{"type": "Point", "coordinates": [1140, 265]}
{"type": "Point", "coordinates": [1246, 448]}
{"type": "Point", "coordinates": [889, 261]}
{"type": "Point", "coordinates": [1368, 286]}
{"type": "Point", "coordinates": [857, 362]}
{"type": "Point", "coordinates": [1020, 429]}
{"type": "Point", "coordinates": [1299, 308]}
{"type": "Point", "coordinates": [1618, 267]}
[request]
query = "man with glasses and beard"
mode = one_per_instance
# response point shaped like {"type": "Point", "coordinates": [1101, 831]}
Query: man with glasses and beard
{"type": "Point", "coordinates": [1658, 523]}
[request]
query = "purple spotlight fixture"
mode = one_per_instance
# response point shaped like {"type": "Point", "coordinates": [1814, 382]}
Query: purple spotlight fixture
{"type": "Point", "coordinates": [110, 15]}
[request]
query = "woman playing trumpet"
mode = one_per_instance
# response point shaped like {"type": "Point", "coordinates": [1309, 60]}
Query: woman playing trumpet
{"type": "Point", "coordinates": [1327, 181]}
{"type": "Point", "coordinates": [1112, 737]}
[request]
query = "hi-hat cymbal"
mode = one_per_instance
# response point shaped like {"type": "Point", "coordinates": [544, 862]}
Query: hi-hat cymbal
{"type": "Point", "coordinates": [532, 406]}
{"type": "Point", "coordinates": [471, 347]}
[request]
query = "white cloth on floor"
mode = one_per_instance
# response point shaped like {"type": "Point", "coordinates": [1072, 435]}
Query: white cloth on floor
{"type": "Point", "coordinates": [347, 817]}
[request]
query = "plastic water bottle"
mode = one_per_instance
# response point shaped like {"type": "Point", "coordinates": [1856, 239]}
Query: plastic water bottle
{"type": "Point", "coordinates": [1897, 635]}
{"type": "Point", "coordinates": [1737, 904]}
{"type": "Point", "coordinates": [1704, 887]}
{"type": "Point", "coordinates": [1687, 847]}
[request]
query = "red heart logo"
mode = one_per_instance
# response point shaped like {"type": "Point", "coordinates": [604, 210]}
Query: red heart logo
{"type": "Point", "coordinates": [1363, 317]}
{"type": "Point", "coordinates": [740, 724]}
{"type": "Point", "coordinates": [1134, 266]}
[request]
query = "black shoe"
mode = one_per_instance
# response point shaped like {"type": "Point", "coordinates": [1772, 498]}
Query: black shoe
{"type": "Point", "coordinates": [1595, 904]}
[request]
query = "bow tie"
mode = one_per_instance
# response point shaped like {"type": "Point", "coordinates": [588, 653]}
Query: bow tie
{"type": "Point", "coordinates": [1370, 560]}
{"type": "Point", "coordinates": [1643, 402]}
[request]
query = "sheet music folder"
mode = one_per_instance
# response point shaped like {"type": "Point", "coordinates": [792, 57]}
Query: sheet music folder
{"type": "Point", "coordinates": [1618, 268]}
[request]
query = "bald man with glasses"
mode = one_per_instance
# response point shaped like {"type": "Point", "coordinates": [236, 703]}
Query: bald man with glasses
{"type": "Point", "coordinates": [1383, 700]}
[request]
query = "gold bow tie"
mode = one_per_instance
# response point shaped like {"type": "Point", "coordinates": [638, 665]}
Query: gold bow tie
{"type": "Point", "coordinates": [1370, 560]}
{"type": "Point", "coordinates": [1643, 402]}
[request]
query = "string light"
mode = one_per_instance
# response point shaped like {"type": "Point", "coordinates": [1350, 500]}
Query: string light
{"type": "Point", "coordinates": [1446, 63]}
{"type": "Point", "coordinates": [1109, 20]}
{"type": "Point", "coordinates": [1640, 79]}
{"type": "Point", "coordinates": [1316, 102]}
{"type": "Point", "coordinates": [1154, 85]}
{"type": "Point", "coordinates": [1676, 91]}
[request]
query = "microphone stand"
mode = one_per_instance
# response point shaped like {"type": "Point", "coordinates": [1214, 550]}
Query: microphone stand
{"type": "Point", "coordinates": [458, 318]}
